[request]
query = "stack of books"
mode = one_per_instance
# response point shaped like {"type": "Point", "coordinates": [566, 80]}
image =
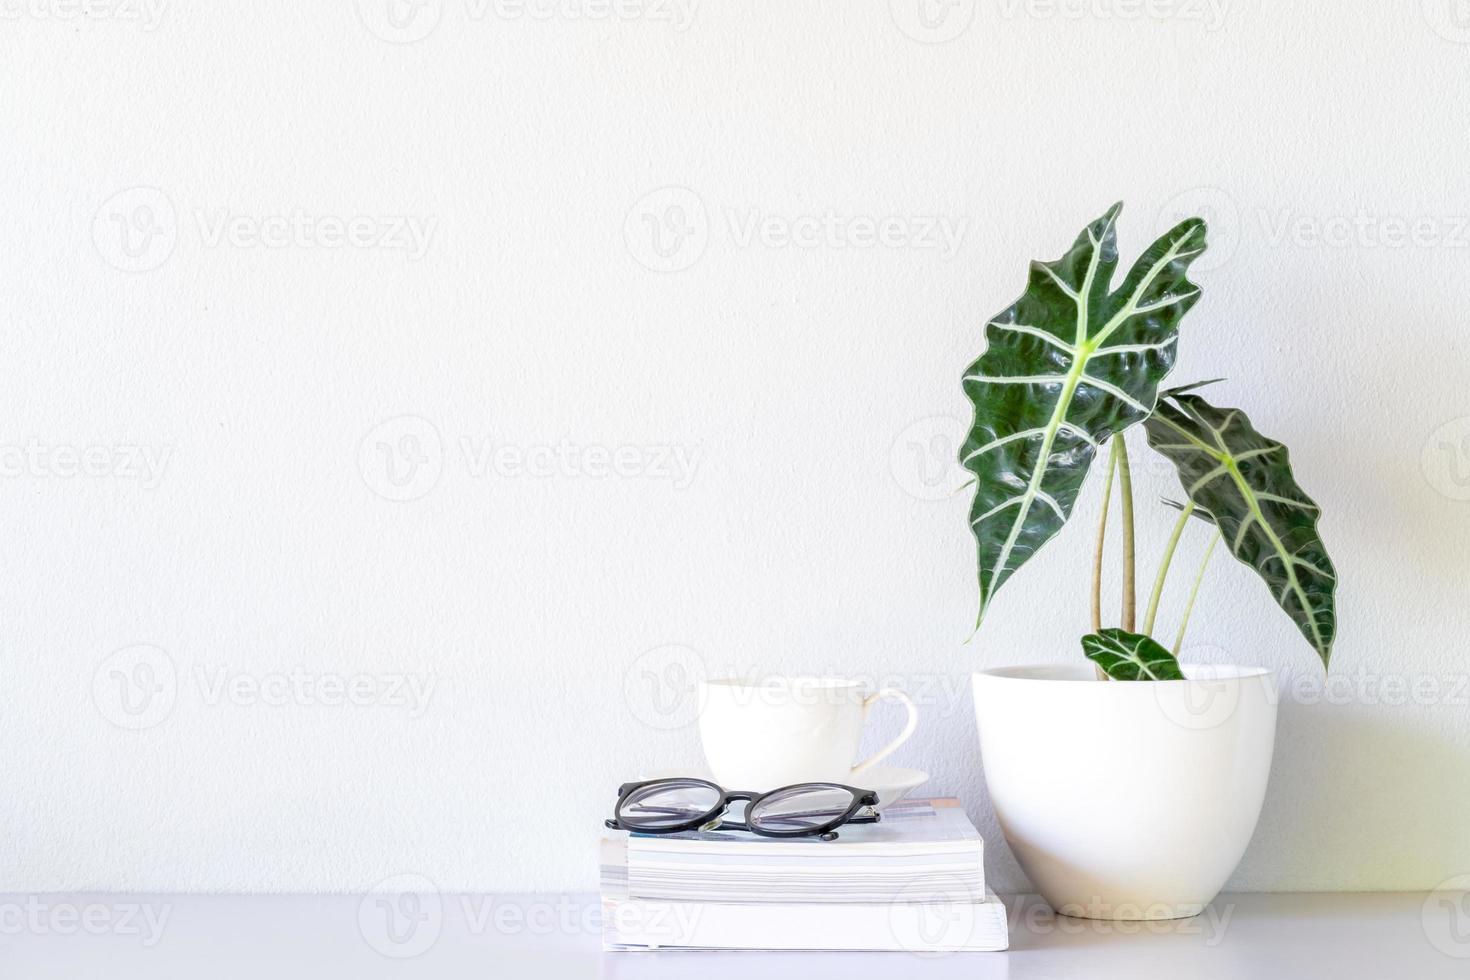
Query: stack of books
{"type": "Point", "coordinates": [914, 881]}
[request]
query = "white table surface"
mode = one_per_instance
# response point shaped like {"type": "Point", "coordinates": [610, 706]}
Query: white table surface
{"type": "Point", "coordinates": [1380, 936]}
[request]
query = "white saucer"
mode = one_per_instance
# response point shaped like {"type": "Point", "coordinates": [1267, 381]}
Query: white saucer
{"type": "Point", "coordinates": [890, 782]}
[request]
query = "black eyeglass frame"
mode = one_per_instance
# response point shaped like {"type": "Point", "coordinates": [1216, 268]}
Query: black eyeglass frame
{"type": "Point", "coordinates": [861, 798]}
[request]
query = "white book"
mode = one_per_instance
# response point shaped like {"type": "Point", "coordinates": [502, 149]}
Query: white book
{"type": "Point", "coordinates": [902, 926]}
{"type": "Point", "coordinates": [922, 846]}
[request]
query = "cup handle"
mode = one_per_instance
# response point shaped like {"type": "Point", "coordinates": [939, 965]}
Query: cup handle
{"type": "Point", "coordinates": [889, 694]}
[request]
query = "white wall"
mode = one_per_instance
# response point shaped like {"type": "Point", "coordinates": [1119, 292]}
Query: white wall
{"type": "Point", "coordinates": [783, 412]}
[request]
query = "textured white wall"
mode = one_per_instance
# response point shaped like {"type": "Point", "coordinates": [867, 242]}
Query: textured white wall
{"type": "Point", "coordinates": [657, 421]}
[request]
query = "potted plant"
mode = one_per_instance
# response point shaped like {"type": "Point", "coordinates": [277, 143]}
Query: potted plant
{"type": "Point", "coordinates": [1127, 788]}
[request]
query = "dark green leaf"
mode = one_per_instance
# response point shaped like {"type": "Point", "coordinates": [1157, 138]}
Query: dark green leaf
{"type": "Point", "coordinates": [1245, 481]}
{"type": "Point", "coordinates": [1125, 656]}
{"type": "Point", "coordinates": [1067, 365]}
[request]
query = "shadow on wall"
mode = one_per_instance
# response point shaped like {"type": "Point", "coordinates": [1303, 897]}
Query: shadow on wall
{"type": "Point", "coordinates": [1360, 801]}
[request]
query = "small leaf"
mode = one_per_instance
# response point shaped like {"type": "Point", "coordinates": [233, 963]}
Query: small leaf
{"type": "Point", "coordinates": [1126, 656]}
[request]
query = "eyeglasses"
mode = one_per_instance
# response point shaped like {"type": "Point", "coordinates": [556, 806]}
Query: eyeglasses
{"type": "Point", "coordinates": [672, 806]}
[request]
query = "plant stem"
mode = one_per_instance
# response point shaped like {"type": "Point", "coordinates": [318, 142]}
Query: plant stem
{"type": "Point", "coordinates": [1125, 491]}
{"type": "Point", "coordinates": [1153, 599]}
{"type": "Point", "coordinates": [1097, 559]}
{"type": "Point", "coordinates": [1189, 606]}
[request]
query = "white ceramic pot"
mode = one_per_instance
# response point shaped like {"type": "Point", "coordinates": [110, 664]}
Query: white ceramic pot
{"type": "Point", "coordinates": [1127, 799]}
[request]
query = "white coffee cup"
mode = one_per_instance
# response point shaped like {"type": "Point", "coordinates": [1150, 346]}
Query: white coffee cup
{"type": "Point", "coordinates": [761, 734]}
